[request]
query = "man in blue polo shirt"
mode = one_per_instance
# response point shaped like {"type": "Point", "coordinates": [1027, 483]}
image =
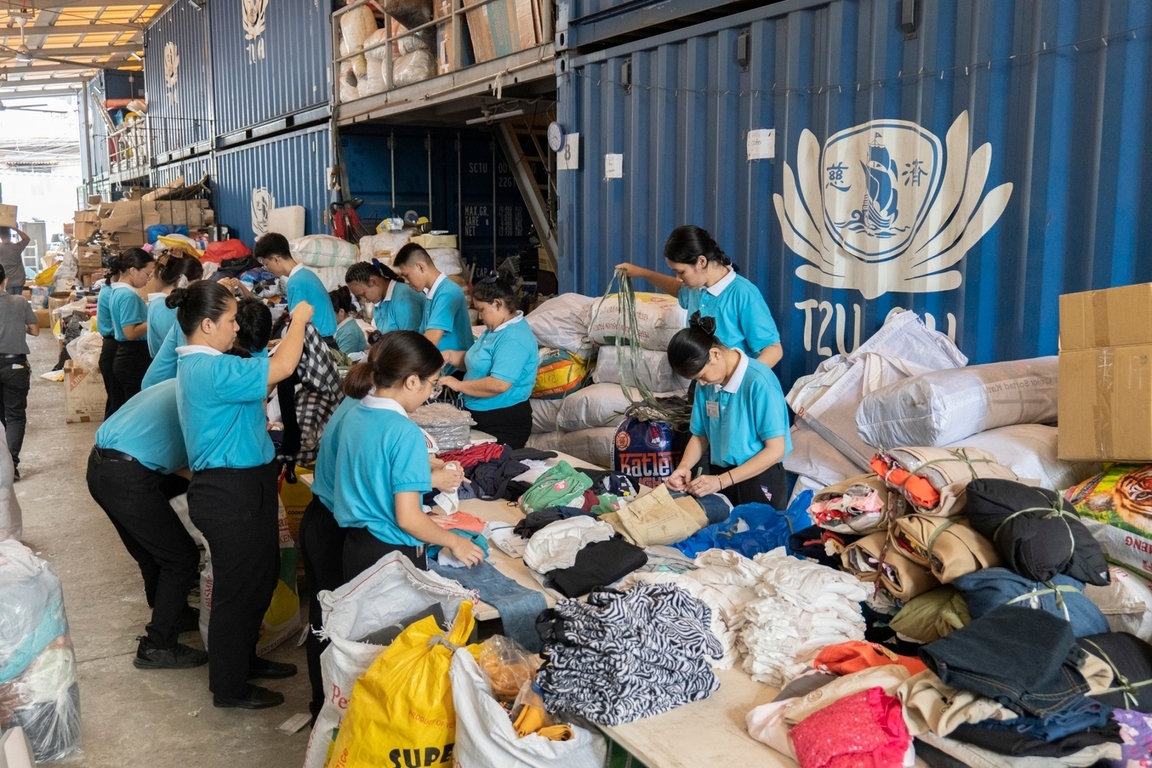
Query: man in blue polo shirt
{"type": "Point", "coordinates": [303, 285]}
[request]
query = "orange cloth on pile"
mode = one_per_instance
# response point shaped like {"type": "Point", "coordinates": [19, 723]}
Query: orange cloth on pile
{"type": "Point", "coordinates": [918, 490]}
{"type": "Point", "coordinates": [855, 655]}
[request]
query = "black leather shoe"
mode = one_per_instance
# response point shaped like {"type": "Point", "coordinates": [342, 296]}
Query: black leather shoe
{"type": "Point", "coordinates": [253, 698]}
{"type": "Point", "coordinates": [263, 669]}
{"type": "Point", "coordinates": [190, 619]}
{"type": "Point", "coordinates": [178, 656]}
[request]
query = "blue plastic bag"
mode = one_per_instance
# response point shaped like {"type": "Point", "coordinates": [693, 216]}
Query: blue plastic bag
{"type": "Point", "coordinates": [767, 528]}
{"type": "Point", "coordinates": [156, 231]}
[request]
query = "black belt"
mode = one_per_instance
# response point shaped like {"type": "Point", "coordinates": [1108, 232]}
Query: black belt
{"type": "Point", "coordinates": [13, 357]}
{"type": "Point", "coordinates": [108, 453]}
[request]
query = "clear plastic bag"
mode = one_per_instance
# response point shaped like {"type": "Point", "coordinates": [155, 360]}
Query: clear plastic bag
{"type": "Point", "coordinates": [447, 425]}
{"type": "Point", "coordinates": [85, 350]}
{"type": "Point", "coordinates": [508, 666]}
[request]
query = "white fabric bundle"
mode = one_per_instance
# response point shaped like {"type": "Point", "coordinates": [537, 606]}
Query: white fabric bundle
{"type": "Point", "coordinates": [653, 369]}
{"type": "Point", "coordinates": [1029, 450]}
{"type": "Point", "coordinates": [324, 251]}
{"type": "Point", "coordinates": [562, 322]}
{"type": "Point", "coordinates": [544, 414]}
{"type": "Point", "coordinates": [658, 319]}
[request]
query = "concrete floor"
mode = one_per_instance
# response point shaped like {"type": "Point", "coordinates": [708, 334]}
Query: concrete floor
{"type": "Point", "coordinates": [131, 717]}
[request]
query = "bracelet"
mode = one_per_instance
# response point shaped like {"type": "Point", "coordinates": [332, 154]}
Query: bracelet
{"type": "Point", "coordinates": [731, 480]}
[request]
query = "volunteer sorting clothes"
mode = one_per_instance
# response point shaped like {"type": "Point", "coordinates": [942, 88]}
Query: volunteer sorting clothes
{"type": "Point", "coordinates": [706, 282]}
{"type": "Point", "coordinates": [138, 463]}
{"type": "Point", "coordinates": [275, 255]}
{"type": "Point", "coordinates": [382, 468]}
{"type": "Point", "coordinates": [109, 344]}
{"type": "Point", "coordinates": [17, 321]}
{"type": "Point", "coordinates": [254, 328]}
{"type": "Point", "coordinates": [129, 318]}
{"type": "Point", "coordinates": [232, 498]}
{"type": "Point", "coordinates": [500, 368]}
{"type": "Point", "coordinates": [175, 271]}
{"type": "Point", "coordinates": [350, 337]}
{"type": "Point", "coordinates": [445, 322]}
{"type": "Point", "coordinates": [739, 420]}
{"type": "Point", "coordinates": [396, 307]}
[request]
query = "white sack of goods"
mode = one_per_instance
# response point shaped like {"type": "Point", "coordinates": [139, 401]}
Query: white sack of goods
{"type": "Point", "coordinates": [375, 78]}
{"type": "Point", "coordinates": [413, 68]}
{"type": "Point", "coordinates": [600, 405]}
{"type": "Point", "coordinates": [562, 322]}
{"type": "Point", "coordinates": [620, 365]}
{"type": "Point", "coordinates": [594, 446]}
{"type": "Point", "coordinates": [324, 251]}
{"type": "Point", "coordinates": [383, 246]}
{"type": "Point", "coordinates": [1029, 450]}
{"type": "Point", "coordinates": [447, 260]}
{"type": "Point", "coordinates": [356, 26]}
{"type": "Point", "coordinates": [942, 407]}
{"type": "Point", "coordinates": [544, 415]}
{"type": "Point", "coordinates": [658, 318]}
{"type": "Point", "coordinates": [815, 458]}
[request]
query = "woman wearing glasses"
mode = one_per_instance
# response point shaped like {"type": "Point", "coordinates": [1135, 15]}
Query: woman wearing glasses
{"type": "Point", "coordinates": [396, 306]}
{"type": "Point", "coordinates": [500, 368]}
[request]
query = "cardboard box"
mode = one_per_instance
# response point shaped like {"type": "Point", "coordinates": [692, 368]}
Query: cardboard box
{"type": "Point", "coordinates": [1105, 389]}
{"type": "Point", "coordinates": [83, 231]}
{"type": "Point", "coordinates": [8, 216]}
{"type": "Point", "coordinates": [86, 215]}
{"type": "Point", "coordinates": [502, 27]}
{"type": "Point", "coordinates": [84, 396]}
{"type": "Point", "coordinates": [130, 238]}
{"type": "Point", "coordinates": [89, 259]}
{"type": "Point", "coordinates": [43, 317]}
{"type": "Point", "coordinates": [59, 299]}
{"type": "Point", "coordinates": [435, 241]}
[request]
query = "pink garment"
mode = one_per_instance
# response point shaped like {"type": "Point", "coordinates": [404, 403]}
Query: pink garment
{"type": "Point", "coordinates": [864, 730]}
{"type": "Point", "coordinates": [460, 521]}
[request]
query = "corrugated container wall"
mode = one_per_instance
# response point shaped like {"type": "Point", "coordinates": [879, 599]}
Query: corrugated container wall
{"type": "Point", "coordinates": [269, 59]}
{"type": "Point", "coordinates": [288, 170]}
{"type": "Point", "coordinates": [176, 76]}
{"type": "Point", "coordinates": [191, 170]}
{"type": "Point", "coordinates": [972, 172]}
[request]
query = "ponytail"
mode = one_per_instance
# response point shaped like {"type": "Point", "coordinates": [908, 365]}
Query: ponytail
{"type": "Point", "coordinates": [690, 242]}
{"type": "Point", "coordinates": [364, 271]}
{"type": "Point", "coordinates": [391, 360]}
{"type": "Point", "coordinates": [180, 271]}
{"type": "Point", "coordinates": [688, 351]}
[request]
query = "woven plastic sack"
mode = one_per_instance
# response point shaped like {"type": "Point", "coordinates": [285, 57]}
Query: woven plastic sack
{"type": "Point", "coordinates": [401, 711]}
{"type": "Point", "coordinates": [614, 365]}
{"type": "Point", "coordinates": [356, 26]}
{"type": "Point", "coordinates": [562, 322]}
{"type": "Point", "coordinates": [383, 595]}
{"type": "Point", "coordinates": [658, 319]}
{"type": "Point", "coordinates": [383, 245]}
{"type": "Point", "coordinates": [413, 68]}
{"type": "Point", "coordinates": [447, 260]}
{"type": "Point", "coordinates": [558, 373]}
{"type": "Point", "coordinates": [324, 251]}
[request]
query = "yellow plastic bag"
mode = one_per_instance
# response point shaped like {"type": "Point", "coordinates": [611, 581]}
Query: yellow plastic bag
{"type": "Point", "coordinates": [47, 276]}
{"type": "Point", "coordinates": [400, 713]}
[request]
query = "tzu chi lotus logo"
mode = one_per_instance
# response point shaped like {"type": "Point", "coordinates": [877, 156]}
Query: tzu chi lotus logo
{"type": "Point", "coordinates": [885, 207]}
{"type": "Point", "coordinates": [171, 70]}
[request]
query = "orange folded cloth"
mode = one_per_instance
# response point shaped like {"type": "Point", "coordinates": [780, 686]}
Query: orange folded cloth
{"type": "Point", "coordinates": [918, 490]}
{"type": "Point", "coordinates": [855, 655]}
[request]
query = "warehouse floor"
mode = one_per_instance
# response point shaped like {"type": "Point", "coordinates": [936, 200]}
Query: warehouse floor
{"type": "Point", "coordinates": [130, 717]}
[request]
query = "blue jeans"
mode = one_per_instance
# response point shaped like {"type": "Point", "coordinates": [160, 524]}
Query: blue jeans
{"type": "Point", "coordinates": [518, 606]}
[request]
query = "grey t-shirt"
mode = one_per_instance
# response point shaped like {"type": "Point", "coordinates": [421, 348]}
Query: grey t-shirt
{"type": "Point", "coordinates": [15, 313]}
{"type": "Point", "coordinates": [13, 265]}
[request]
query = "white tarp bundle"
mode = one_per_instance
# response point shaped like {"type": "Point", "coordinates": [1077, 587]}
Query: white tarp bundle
{"type": "Point", "coordinates": [652, 369]}
{"type": "Point", "coordinates": [1029, 450]}
{"type": "Point", "coordinates": [941, 407]}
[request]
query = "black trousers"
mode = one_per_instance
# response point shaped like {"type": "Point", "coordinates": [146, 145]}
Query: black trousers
{"type": "Point", "coordinates": [15, 380]}
{"type": "Point", "coordinates": [111, 386]}
{"type": "Point", "coordinates": [362, 550]}
{"type": "Point", "coordinates": [236, 511]}
{"type": "Point", "coordinates": [322, 548]}
{"type": "Point", "coordinates": [131, 363]}
{"type": "Point", "coordinates": [511, 426]}
{"type": "Point", "coordinates": [135, 499]}
{"type": "Point", "coordinates": [751, 491]}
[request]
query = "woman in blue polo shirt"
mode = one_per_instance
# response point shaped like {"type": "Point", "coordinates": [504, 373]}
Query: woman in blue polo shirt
{"type": "Point", "coordinates": [132, 473]}
{"type": "Point", "coordinates": [382, 469]}
{"type": "Point", "coordinates": [350, 338]}
{"type": "Point", "coordinates": [705, 282]}
{"type": "Point", "coordinates": [108, 346]}
{"type": "Point", "coordinates": [129, 317]}
{"type": "Point", "coordinates": [500, 368]}
{"type": "Point", "coordinates": [739, 420]}
{"type": "Point", "coordinates": [174, 272]}
{"type": "Point", "coordinates": [232, 498]}
{"type": "Point", "coordinates": [396, 306]}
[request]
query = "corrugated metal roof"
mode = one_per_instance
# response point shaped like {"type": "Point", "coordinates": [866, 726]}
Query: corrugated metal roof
{"type": "Point", "coordinates": [881, 143]}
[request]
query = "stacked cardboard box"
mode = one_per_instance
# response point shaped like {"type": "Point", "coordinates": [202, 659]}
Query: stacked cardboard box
{"type": "Point", "coordinates": [503, 27]}
{"type": "Point", "coordinates": [85, 225]}
{"type": "Point", "coordinates": [1105, 408]}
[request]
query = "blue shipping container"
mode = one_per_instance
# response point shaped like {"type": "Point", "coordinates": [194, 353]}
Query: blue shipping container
{"type": "Point", "coordinates": [973, 171]}
{"type": "Point", "coordinates": [269, 59]}
{"type": "Point", "coordinates": [176, 75]}
{"type": "Point", "coordinates": [191, 170]}
{"type": "Point", "coordinates": [287, 170]}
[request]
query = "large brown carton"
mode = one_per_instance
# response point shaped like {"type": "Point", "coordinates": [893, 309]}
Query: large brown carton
{"type": "Point", "coordinates": [1105, 390]}
{"type": "Point", "coordinates": [84, 396]}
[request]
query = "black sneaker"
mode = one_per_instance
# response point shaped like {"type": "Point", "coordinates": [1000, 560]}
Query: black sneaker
{"type": "Point", "coordinates": [263, 669]}
{"type": "Point", "coordinates": [179, 656]}
{"type": "Point", "coordinates": [254, 697]}
{"type": "Point", "coordinates": [190, 619]}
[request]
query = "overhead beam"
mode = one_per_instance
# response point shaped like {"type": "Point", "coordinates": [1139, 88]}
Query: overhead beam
{"type": "Point", "coordinates": [50, 66]}
{"type": "Point", "coordinates": [81, 52]}
{"type": "Point", "coordinates": [11, 30]}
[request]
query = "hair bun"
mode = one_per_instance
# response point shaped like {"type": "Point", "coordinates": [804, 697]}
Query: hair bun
{"type": "Point", "coordinates": [176, 298]}
{"type": "Point", "coordinates": [706, 324]}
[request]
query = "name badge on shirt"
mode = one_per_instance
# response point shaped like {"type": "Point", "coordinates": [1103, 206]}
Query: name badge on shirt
{"type": "Point", "coordinates": [713, 409]}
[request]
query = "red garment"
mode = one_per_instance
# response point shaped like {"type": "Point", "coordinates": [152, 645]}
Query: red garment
{"type": "Point", "coordinates": [590, 500]}
{"type": "Point", "coordinates": [864, 730]}
{"type": "Point", "coordinates": [918, 490]}
{"type": "Point", "coordinates": [460, 521]}
{"type": "Point", "coordinates": [476, 454]}
{"type": "Point", "coordinates": [856, 655]}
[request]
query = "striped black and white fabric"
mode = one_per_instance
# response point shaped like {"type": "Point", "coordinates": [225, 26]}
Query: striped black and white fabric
{"type": "Point", "coordinates": [622, 656]}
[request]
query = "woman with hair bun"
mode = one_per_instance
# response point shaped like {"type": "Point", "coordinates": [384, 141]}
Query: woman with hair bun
{"type": "Point", "coordinates": [173, 271]}
{"type": "Point", "coordinates": [739, 420]}
{"type": "Point", "coordinates": [396, 306]}
{"type": "Point", "coordinates": [129, 320]}
{"type": "Point", "coordinates": [232, 498]}
{"type": "Point", "coordinates": [706, 282]}
{"type": "Point", "coordinates": [383, 468]}
{"type": "Point", "coordinates": [108, 346]}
